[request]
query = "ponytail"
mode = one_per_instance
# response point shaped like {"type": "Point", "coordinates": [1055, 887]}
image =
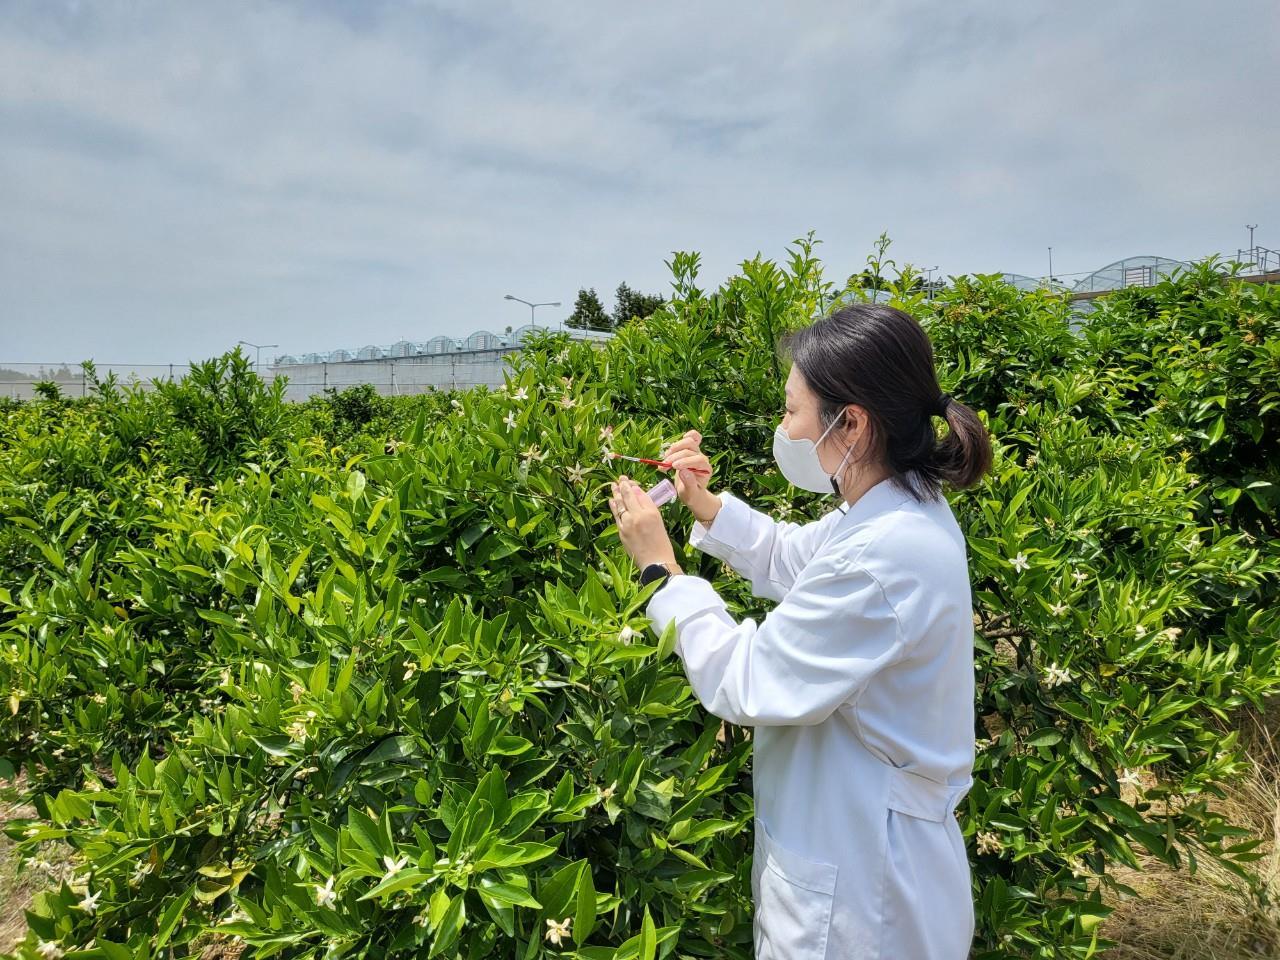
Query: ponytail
{"type": "Point", "coordinates": [962, 457]}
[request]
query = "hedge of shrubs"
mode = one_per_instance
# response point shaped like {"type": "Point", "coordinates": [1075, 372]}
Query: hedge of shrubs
{"type": "Point", "coordinates": [370, 677]}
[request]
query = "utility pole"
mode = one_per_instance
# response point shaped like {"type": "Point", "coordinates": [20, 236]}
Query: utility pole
{"type": "Point", "coordinates": [1251, 227]}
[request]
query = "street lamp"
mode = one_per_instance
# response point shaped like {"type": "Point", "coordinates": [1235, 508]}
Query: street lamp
{"type": "Point", "coordinates": [929, 280]}
{"type": "Point", "coordinates": [258, 347]}
{"type": "Point", "coordinates": [533, 306]}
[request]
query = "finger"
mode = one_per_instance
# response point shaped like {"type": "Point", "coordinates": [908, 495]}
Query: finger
{"type": "Point", "coordinates": [686, 457]}
{"type": "Point", "coordinates": [689, 460]}
{"type": "Point", "coordinates": [684, 443]}
{"type": "Point", "coordinates": [630, 491]}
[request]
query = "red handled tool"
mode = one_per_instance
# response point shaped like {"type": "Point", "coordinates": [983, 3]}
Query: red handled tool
{"type": "Point", "coordinates": [656, 463]}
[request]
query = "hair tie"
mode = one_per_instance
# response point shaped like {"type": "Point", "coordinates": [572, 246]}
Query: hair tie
{"type": "Point", "coordinates": [940, 408]}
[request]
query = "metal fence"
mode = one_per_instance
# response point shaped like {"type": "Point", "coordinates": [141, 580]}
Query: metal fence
{"type": "Point", "coordinates": [484, 358]}
{"type": "Point", "coordinates": [390, 377]}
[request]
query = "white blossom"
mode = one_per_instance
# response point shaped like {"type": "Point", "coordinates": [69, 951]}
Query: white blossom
{"type": "Point", "coordinates": [48, 948]}
{"type": "Point", "coordinates": [1055, 675]}
{"type": "Point", "coordinates": [626, 635]}
{"type": "Point", "coordinates": [521, 394]}
{"type": "Point", "coordinates": [557, 931]}
{"type": "Point", "coordinates": [510, 420]}
{"type": "Point", "coordinates": [606, 433]}
{"type": "Point", "coordinates": [989, 842]}
{"type": "Point", "coordinates": [1020, 562]}
{"type": "Point", "coordinates": [325, 896]}
{"type": "Point", "coordinates": [1058, 609]}
{"type": "Point", "coordinates": [577, 472]}
{"type": "Point", "coordinates": [394, 866]}
{"type": "Point", "coordinates": [1139, 631]}
{"type": "Point", "coordinates": [1130, 775]}
{"type": "Point", "coordinates": [90, 903]}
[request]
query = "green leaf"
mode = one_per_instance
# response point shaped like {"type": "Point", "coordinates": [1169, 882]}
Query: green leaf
{"type": "Point", "coordinates": [355, 484]}
{"type": "Point", "coordinates": [1219, 427]}
{"type": "Point", "coordinates": [449, 928]}
{"type": "Point", "coordinates": [507, 893]}
{"type": "Point", "coordinates": [170, 916]}
{"type": "Point", "coordinates": [648, 937]}
{"type": "Point", "coordinates": [584, 919]}
{"type": "Point", "coordinates": [366, 832]}
{"type": "Point", "coordinates": [402, 879]}
{"type": "Point", "coordinates": [558, 892]}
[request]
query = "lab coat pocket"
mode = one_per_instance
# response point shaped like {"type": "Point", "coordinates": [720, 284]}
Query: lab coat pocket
{"type": "Point", "coordinates": [793, 903]}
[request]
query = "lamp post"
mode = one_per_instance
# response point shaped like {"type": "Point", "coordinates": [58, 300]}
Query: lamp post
{"type": "Point", "coordinates": [929, 280]}
{"type": "Point", "coordinates": [258, 347]}
{"type": "Point", "coordinates": [534, 306]}
{"type": "Point", "coordinates": [1251, 227]}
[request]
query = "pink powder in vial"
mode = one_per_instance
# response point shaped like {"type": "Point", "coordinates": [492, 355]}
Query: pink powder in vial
{"type": "Point", "coordinates": [662, 491]}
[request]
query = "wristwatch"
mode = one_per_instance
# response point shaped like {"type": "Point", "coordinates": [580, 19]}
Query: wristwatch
{"type": "Point", "coordinates": [655, 571]}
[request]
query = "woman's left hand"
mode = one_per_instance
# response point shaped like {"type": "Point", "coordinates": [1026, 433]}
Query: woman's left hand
{"type": "Point", "coordinates": [640, 525]}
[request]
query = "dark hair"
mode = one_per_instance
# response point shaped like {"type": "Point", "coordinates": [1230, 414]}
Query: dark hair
{"type": "Point", "coordinates": [880, 358]}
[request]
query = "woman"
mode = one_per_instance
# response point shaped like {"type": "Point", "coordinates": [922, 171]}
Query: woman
{"type": "Point", "coordinates": [859, 683]}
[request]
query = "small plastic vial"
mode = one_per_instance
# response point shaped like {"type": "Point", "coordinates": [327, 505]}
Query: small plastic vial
{"type": "Point", "coordinates": [662, 491]}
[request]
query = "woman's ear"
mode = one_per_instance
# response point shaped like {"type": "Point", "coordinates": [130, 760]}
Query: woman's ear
{"type": "Point", "coordinates": [857, 421]}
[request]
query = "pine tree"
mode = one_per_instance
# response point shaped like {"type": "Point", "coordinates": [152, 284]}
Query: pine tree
{"type": "Point", "coordinates": [588, 312]}
{"type": "Point", "coordinates": [633, 305]}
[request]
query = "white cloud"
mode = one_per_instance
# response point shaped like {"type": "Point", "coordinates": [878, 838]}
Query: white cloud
{"type": "Point", "coordinates": [176, 176]}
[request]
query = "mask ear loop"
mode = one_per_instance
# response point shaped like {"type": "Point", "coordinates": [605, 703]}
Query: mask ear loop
{"type": "Point", "coordinates": [835, 486]}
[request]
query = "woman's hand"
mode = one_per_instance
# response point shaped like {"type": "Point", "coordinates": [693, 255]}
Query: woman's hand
{"type": "Point", "coordinates": [640, 525]}
{"type": "Point", "coordinates": [690, 487]}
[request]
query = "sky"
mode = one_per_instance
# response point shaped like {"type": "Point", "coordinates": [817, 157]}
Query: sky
{"type": "Point", "coordinates": [176, 176]}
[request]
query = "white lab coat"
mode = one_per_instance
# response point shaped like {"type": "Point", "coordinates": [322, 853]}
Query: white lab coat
{"type": "Point", "coordinates": [860, 688]}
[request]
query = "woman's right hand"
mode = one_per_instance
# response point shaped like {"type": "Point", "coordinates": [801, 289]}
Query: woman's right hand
{"type": "Point", "coordinates": [690, 487]}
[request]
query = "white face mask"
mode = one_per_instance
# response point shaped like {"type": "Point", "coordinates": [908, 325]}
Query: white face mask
{"type": "Point", "coordinates": [799, 463]}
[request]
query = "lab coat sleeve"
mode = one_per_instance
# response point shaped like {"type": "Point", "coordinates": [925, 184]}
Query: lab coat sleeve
{"type": "Point", "coordinates": [812, 653]}
{"type": "Point", "coordinates": [768, 552]}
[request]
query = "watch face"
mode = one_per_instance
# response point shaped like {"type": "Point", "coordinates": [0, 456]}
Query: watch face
{"type": "Point", "coordinates": [652, 572]}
